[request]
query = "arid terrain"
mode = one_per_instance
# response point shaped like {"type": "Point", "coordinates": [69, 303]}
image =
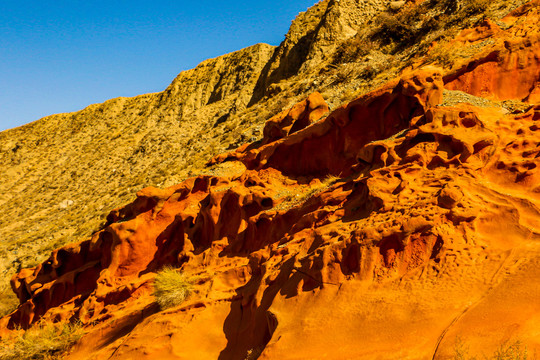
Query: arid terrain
{"type": "Point", "coordinates": [369, 189]}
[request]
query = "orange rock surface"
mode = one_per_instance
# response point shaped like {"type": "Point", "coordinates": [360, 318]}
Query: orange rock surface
{"type": "Point", "coordinates": [391, 229]}
{"type": "Point", "coordinates": [281, 125]}
{"type": "Point", "coordinates": [509, 66]}
{"type": "Point", "coordinates": [298, 117]}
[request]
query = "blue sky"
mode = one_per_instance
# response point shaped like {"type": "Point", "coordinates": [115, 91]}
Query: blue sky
{"type": "Point", "coordinates": [60, 56]}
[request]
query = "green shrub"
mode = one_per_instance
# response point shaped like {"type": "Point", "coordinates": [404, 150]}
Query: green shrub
{"type": "Point", "coordinates": [171, 287]}
{"type": "Point", "coordinates": [43, 341]}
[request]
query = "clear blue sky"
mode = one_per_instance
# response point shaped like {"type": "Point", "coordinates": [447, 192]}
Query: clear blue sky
{"type": "Point", "coordinates": [60, 56]}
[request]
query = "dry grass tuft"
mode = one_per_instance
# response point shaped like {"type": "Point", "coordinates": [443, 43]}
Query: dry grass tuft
{"type": "Point", "coordinates": [511, 351]}
{"type": "Point", "coordinates": [43, 341]}
{"type": "Point", "coordinates": [8, 300]}
{"type": "Point", "coordinates": [506, 351]}
{"type": "Point", "coordinates": [171, 287]}
{"type": "Point", "coordinates": [352, 50]}
{"type": "Point", "coordinates": [300, 194]}
{"type": "Point", "coordinates": [254, 353]}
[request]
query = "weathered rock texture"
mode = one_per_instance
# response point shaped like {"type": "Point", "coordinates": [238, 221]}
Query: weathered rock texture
{"type": "Point", "coordinates": [297, 118]}
{"type": "Point", "coordinates": [509, 68]}
{"type": "Point", "coordinates": [77, 166]}
{"type": "Point", "coordinates": [274, 260]}
{"type": "Point", "coordinates": [62, 173]}
{"type": "Point", "coordinates": [392, 227]}
{"type": "Point", "coordinates": [314, 36]}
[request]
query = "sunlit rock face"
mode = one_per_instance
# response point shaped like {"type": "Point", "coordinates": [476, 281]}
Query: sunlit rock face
{"type": "Point", "coordinates": [393, 226]}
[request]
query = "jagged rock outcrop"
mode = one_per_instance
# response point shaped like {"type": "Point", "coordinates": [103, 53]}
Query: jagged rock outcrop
{"type": "Point", "coordinates": [230, 78]}
{"type": "Point", "coordinates": [508, 67]}
{"type": "Point", "coordinates": [163, 226]}
{"type": "Point", "coordinates": [279, 126]}
{"type": "Point", "coordinates": [313, 36]}
{"type": "Point", "coordinates": [97, 157]}
{"type": "Point", "coordinates": [347, 130]}
{"type": "Point", "coordinates": [297, 118]}
{"type": "Point", "coordinates": [262, 256]}
{"type": "Point", "coordinates": [394, 226]}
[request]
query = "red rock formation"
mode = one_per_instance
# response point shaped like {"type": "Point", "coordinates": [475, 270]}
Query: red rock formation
{"type": "Point", "coordinates": [171, 226]}
{"type": "Point", "coordinates": [343, 133]}
{"type": "Point", "coordinates": [438, 203]}
{"type": "Point", "coordinates": [283, 124]}
{"type": "Point", "coordinates": [509, 68]}
{"type": "Point", "coordinates": [296, 118]}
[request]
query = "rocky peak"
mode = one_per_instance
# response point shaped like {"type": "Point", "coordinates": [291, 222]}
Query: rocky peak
{"type": "Point", "coordinates": [315, 34]}
{"type": "Point", "coordinates": [231, 76]}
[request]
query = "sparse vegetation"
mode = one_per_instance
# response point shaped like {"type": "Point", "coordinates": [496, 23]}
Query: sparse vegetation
{"type": "Point", "coordinates": [352, 49]}
{"type": "Point", "coordinates": [130, 143]}
{"type": "Point", "coordinates": [8, 300]}
{"type": "Point", "coordinates": [396, 28]}
{"type": "Point", "coordinates": [412, 25]}
{"type": "Point", "coordinates": [507, 351]}
{"type": "Point", "coordinates": [460, 349]}
{"type": "Point", "coordinates": [511, 351]}
{"type": "Point", "coordinates": [43, 341]}
{"type": "Point", "coordinates": [254, 353]}
{"type": "Point", "coordinates": [443, 55]}
{"type": "Point", "coordinates": [474, 7]}
{"type": "Point", "coordinates": [102, 155]}
{"type": "Point", "coordinates": [171, 287]}
{"type": "Point", "coordinates": [152, 152]}
{"type": "Point", "coordinates": [303, 193]}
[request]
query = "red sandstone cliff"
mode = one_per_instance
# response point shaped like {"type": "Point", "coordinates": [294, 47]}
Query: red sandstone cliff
{"type": "Point", "coordinates": [387, 229]}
